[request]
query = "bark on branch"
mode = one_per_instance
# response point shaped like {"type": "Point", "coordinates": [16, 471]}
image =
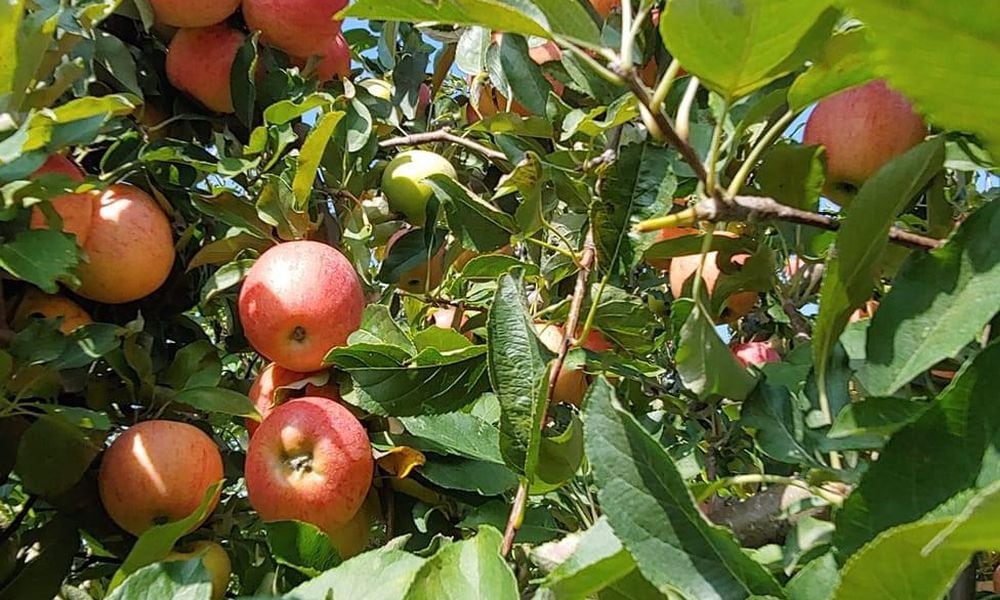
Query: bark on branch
{"type": "Point", "coordinates": [443, 135]}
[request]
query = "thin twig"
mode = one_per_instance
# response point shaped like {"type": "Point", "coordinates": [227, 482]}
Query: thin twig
{"type": "Point", "coordinates": [579, 291]}
{"type": "Point", "coordinates": [443, 135]}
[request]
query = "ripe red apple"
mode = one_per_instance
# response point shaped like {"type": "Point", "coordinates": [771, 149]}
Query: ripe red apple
{"type": "Point", "coordinates": [156, 472]}
{"type": "Point", "coordinates": [335, 60]}
{"type": "Point", "coordinates": [298, 27]}
{"type": "Point", "coordinates": [57, 164]}
{"type": "Point", "coordinates": [299, 300]}
{"type": "Point", "coordinates": [200, 63]}
{"type": "Point", "coordinates": [604, 7]}
{"type": "Point", "coordinates": [403, 182]}
{"type": "Point", "coordinates": [422, 278]}
{"type": "Point", "coordinates": [683, 268]}
{"type": "Point", "coordinates": [309, 461]}
{"type": "Point", "coordinates": [862, 129]}
{"type": "Point", "coordinates": [183, 13]}
{"type": "Point", "coordinates": [755, 353]}
{"type": "Point", "coordinates": [74, 214]}
{"type": "Point", "coordinates": [215, 559]}
{"type": "Point", "coordinates": [866, 311]}
{"type": "Point", "coordinates": [423, 100]}
{"type": "Point", "coordinates": [670, 233]}
{"type": "Point", "coordinates": [48, 306]}
{"type": "Point", "coordinates": [264, 392]}
{"type": "Point", "coordinates": [571, 384]}
{"type": "Point", "coordinates": [127, 238]}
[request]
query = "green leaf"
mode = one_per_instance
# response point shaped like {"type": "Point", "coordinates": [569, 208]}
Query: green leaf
{"type": "Point", "coordinates": [42, 257]}
{"type": "Point", "coordinates": [706, 364]}
{"type": "Point", "coordinates": [157, 541]}
{"type": "Point", "coordinates": [477, 224]}
{"type": "Point", "coordinates": [845, 62]}
{"type": "Point", "coordinates": [559, 458]}
{"type": "Point", "coordinates": [483, 478]}
{"type": "Point", "coordinates": [598, 560]}
{"type": "Point", "coordinates": [276, 207]}
{"type": "Point", "coordinates": [53, 455]}
{"type": "Point", "coordinates": [738, 46]}
{"type": "Point", "coordinates": [112, 54]}
{"type": "Point", "coordinates": [178, 580]}
{"type": "Point", "coordinates": [518, 373]}
{"type": "Point", "coordinates": [242, 80]}
{"type": "Point", "coordinates": [913, 39]}
{"type": "Point", "coordinates": [850, 271]}
{"type": "Point", "coordinates": [492, 266]}
{"type": "Point", "coordinates": [640, 185]}
{"type": "Point", "coordinates": [527, 84]}
{"type": "Point", "coordinates": [410, 251]}
{"type": "Point", "coordinates": [467, 570]}
{"type": "Point", "coordinates": [939, 302]}
{"type": "Point", "coordinates": [621, 317]}
{"type": "Point", "coordinates": [781, 430]}
{"type": "Point", "coordinates": [194, 365]}
{"type": "Point", "coordinates": [53, 547]}
{"type": "Point", "coordinates": [792, 175]}
{"type": "Point", "coordinates": [538, 527]}
{"type": "Point", "coordinates": [513, 16]}
{"type": "Point", "coordinates": [382, 574]}
{"type": "Point", "coordinates": [378, 327]}
{"type": "Point", "coordinates": [11, 14]}
{"type": "Point", "coordinates": [458, 433]}
{"type": "Point", "coordinates": [217, 400]}
{"type": "Point", "coordinates": [876, 416]}
{"type": "Point", "coordinates": [301, 546]}
{"type": "Point", "coordinates": [815, 580]}
{"type": "Point", "coordinates": [386, 381]}
{"type": "Point", "coordinates": [945, 451]}
{"type": "Point", "coordinates": [310, 156]}
{"type": "Point", "coordinates": [653, 513]}
{"type": "Point", "coordinates": [225, 277]}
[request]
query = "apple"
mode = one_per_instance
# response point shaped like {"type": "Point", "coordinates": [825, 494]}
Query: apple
{"type": "Point", "coordinates": [866, 311]}
{"type": "Point", "coordinates": [683, 269]}
{"type": "Point", "coordinates": [403, 182]}
{"type": "Point", "coordinates": [309, 461]}
{"type": "Point", "coordinates": [157, 472]}
{"type": "Point", "coordinates": [215, 559]}
{"type": "Point", "coordinates": [335, 60]}
{"type": "Point", "coordinates": [571, 384]}
{"type": "Point", "coordinates": [297, 27]}
{"type": "Point", "coordinates": [424, 277]}
{"type": "Point", "coordinates": [200, 63]}
{"type": "Point", "coordinates": [670, 233]}
{"type": "Point", "coordinates": [605, 7]}
{"type": "Point", "coordinates": [423, 100]}
{"type": "Point", "coordinates": [755, 353]}
{"type": "Point", "coordinates": [299, 300]}
{"type": "Point", "coordinates": [127, 239]}
{"type": "Point", "coordinates": [183, 13]}
{"type": "Point", "coordinates": [352, 538]}
{"type": "Point", "coordinates": [48, 306]}
{"type": "Point", "coordinates": [265, 392]}
{"type": "Point", "coordinates": [862, 129]}
{"type": "Point", "coordinates": [75, 215]}
{"type": "Point", "coordinates": [57, 164]}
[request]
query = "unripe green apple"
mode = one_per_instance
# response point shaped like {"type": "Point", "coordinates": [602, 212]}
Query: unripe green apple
{"type": "Point", "coordinates": [403, 182]}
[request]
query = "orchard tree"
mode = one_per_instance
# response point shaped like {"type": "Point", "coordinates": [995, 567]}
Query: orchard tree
{"type": "Point", "coordinates": [499, 299]}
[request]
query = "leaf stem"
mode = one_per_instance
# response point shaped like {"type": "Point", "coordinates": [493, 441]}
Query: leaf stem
{"type": "Point", "coordinates": [663, 88]}
{"type": "Point", "coordinates": [683, 119]}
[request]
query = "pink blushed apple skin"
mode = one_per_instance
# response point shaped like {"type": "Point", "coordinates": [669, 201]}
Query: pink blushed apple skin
{"type": "Point", "coordinates": [757, 354]}
{"type": "Point", "coordinates": [862, 129]}
{"type": "Point", "coordinates": [299, 300]}
{"type": "Point", "coordinates": [297, 27]}
{"type": "Point", "coordinates": [200, 64]}
{"type": "Point", "coordinates": [185, 13]}
{"type": "Point", "coordinates": [310, 461]}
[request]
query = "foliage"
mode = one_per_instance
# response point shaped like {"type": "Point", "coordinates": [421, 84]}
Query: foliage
{"type": "Point", "coordinates": [862, 465]}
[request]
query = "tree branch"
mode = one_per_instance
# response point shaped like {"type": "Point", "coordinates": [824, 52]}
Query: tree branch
{"type": "Point", "coordinates": [444, 135]}
{"type": "Point", "coordinates": [516, 516]}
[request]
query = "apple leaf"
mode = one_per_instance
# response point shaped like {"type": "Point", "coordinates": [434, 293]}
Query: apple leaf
{"type": "Point", "coordinates": [845, 62]}
{"type": "Point", "coordinates": [706, 365]}
{"type": "Point", "coordinates": [517, 368]}
{"type": "Point", "coordinates": [928, 49]}
{"type": "Point", "coordinates": [410, 251]}
{"type": "Point", "coordinates": [939, 302]}
{"type": "Point", "coordinates": [310, 156]}
{"type": "Point", "coordinates": [383, 574]}
{"type": "Point", "coordinates": [876, 416]}
{"type": "Point", "coordinates": [301, 546]}
{"type": "Point", "coordinates": [11, 14]}
{"type": "Point", "coordinates": [179, 580]}
{"type": "Point", "coordinates": [652, 512]}
{"type": "Point", "coordinates": [217, 400]}
{"type": "Point", "coordinates": [483, 478]}
{"type": "Point", "coordinates": [815, 580]}
{"type": "Point", "coordinates": [850, 271]}
{"type": "Point", "coordinates": [621, 317]}
{"type": "Point", "coordinates": [528, 85]}
{"type": "Point", "coordinates": [42, 257]}
{"type": "Point", "coordinates": [458, 433]}
{"type": "Point", "coordinates": [157, 541]}
{"type": "Point", "coordinates": [468, 569]}
{"type": "Point", "coordinates": [477, 224]}
{"type": "Point", "coordinates": [598, 560]}
{"type": "Point", "coordinates": [780, 427]}
{"type": "Point", "coordinates": [738, 46]}
{"type": "Point", "coordinates": [943, 452]}
{"type": "Point", "coordinates": [53, 455]}
{"type": "Point", "coordinates": [53, 547]}
{"type": "Point", "coordinates": [386, 381]}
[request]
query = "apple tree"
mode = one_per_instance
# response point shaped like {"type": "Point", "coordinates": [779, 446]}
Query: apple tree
{"type": "Point", "coordinates": [501, 299]}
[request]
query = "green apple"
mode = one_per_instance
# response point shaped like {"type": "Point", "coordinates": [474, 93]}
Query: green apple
{"type": "Point", "coordinates": [403, 182]}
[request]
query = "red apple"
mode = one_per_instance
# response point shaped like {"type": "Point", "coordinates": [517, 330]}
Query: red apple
{"type": "Point", "coordinates": [335, 60]}
{"type": "Point", "coordinates": [670, 233]}
{"type": "Point", "coordinates": [862, 129]}
{"type": "Point", "coordinates": [298, 27]}
{"type": "Point", "coordinates": [265, 391]}
{"type": "Point", "coordinates": [49, 306]}
{"type": "Point", "coordinates": [866, 311]}
{"type": "Point", "coordinates": [299, 300]}
{"type": "Point", "coordinates": [183, 13]}
{"type": "Point", "coordinates": [683, 268]}
{"type": "Point", "coordinates": [571, 384]}
{"type": "Point", "coordinates": [309, 461]}
{"type": "Point", "coordinates": [74, 214]}
{"type": "Point", "coordinates": [200, 64]}
{"type": "Point", "coordinates": [755, 353]}
{"type": "Point", "coordinates": [605, 7]}
{"type": "Point", "coordinates": [157, 472]}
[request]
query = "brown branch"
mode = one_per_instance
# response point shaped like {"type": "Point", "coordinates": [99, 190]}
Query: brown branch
{"type": "Point", "coordinates": [443, 135]}
{"type": "Point", "coordinates": [576, 305]}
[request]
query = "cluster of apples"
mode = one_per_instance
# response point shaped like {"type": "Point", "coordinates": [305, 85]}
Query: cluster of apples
{"type": "Point", "coordinates": [201, 54]}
